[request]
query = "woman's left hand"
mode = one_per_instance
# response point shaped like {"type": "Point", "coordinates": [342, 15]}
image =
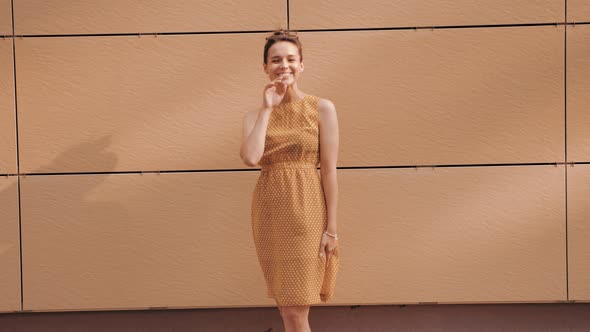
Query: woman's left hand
{"type": "Point", "coordinates": [328, 246]}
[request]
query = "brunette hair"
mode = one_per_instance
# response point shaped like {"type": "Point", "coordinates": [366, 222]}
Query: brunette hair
{"type": "Point", "coordinates": [282, 35]}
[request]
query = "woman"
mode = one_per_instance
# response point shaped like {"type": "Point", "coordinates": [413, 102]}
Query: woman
{"type": "Point", "coordinates": [293, 209]}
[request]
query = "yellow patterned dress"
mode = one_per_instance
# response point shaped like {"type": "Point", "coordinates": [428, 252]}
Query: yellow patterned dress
{"type": "Point", "coordinates": [289, 209]}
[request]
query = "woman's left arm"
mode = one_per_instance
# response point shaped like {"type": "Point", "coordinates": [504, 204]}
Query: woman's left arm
{"type": "Point", "coordinates": [329, 141]}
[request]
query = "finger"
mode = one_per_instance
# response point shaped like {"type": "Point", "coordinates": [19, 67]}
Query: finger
{"type": "Point", "coordinates": [322, 249]}
{"type": "Point", "coordinates": [329, 253]}
{"type": "Point", "coordinates": [270, 85]}
{"type": "Point", "coordinates": [277, 79]}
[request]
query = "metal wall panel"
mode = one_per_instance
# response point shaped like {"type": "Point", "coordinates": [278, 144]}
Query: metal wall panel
{"type": "Point", "coordinates": [5, 17]}
{"type": "Point", "coordinates": [136, 103]}
{"type": "Point", "coordinates": [340, 14]}
{"type": "Point", "coordinates": [42, 17]}
{"type": "Point", "coordinates": [10, 292]}
{"type": "Point", "coordinates": [578, 98]}
{"type": "Point", "coordinates": [137, 241]}
{"type": "Point", "coordinates": [578, 11]}
{"type": "Point", "coordinates": [578, 191]}
{"type": "Point", "coordinates": [7, 110]}
{"type": "Point", "coordinates": [452, 235]}
{"type": "Point", "coordinates": [443, 97]}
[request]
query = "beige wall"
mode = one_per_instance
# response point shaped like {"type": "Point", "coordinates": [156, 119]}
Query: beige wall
{"type": "Point", "coordinates": [97, 104]}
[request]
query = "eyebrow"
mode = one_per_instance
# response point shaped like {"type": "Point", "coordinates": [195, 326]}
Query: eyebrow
{"type": "Point", "coordinates": [278, 56]}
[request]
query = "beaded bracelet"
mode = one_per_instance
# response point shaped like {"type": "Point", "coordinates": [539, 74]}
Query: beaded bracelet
{"type": "Point", "coordinates": [331, 235]}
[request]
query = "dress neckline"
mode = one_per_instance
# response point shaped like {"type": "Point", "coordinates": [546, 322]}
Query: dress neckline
{"type": "Point", "coordinates": [293, 101]}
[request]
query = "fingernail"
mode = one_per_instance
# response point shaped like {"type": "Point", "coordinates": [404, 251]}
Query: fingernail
{"type": "Point", "coordinates": [321, 254]}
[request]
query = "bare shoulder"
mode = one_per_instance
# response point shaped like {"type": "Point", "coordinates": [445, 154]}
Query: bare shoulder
{"type": "Point", "coordinates": [326, 106]}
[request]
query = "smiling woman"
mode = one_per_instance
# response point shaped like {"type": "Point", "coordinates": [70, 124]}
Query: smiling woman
{"type": "Point", "coordinates": [293, 209]}
{"type": "Point", "coordinates": [285, 53]}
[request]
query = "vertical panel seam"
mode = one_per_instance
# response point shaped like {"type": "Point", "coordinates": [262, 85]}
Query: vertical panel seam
{"type": "Point", "coordinates": [567, 287]}
{"type": "Point", "coordinates": [20, 241]}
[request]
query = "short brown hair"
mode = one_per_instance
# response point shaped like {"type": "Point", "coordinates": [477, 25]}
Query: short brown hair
{"type": "Point", "coordinates": [282, 35]}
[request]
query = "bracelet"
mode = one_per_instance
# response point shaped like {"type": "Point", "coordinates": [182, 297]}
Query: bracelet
{"type": "Point", "coordinates": [331, 235]}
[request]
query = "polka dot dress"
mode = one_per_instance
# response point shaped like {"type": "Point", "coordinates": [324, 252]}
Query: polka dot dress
{"type": "Point", "coordinates": [289, 209]}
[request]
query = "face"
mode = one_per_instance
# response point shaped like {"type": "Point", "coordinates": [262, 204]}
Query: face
{"type": "Point", "coordinates": [283, 58]}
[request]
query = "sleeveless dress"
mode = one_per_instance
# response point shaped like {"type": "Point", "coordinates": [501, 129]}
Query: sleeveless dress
{"type": "Point", "coordinates": [289, 209]}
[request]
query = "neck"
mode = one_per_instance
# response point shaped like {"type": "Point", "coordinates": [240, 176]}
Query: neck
{"type": "Point", "coordinates": [292, 94]}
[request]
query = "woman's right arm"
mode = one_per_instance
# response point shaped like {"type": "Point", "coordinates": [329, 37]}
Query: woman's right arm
{"type": "Point", "coordinates": [255, 124]}
{"type": "Point", "coordinates": [256, 121]}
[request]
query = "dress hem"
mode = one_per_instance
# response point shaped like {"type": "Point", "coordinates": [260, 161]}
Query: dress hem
{"type": "Point", "coordinates": [324, 299]}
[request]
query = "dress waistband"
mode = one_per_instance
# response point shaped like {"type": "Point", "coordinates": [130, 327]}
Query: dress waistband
{"type": "Point", "coordinates": [288, 165]}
